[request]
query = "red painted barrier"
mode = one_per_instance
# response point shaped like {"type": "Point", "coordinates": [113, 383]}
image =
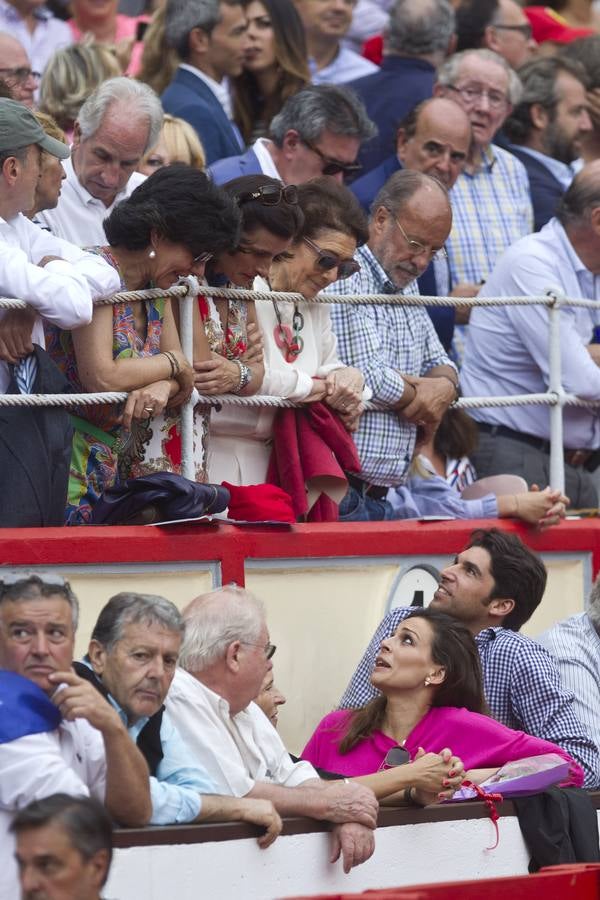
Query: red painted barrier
{"type": "Point", "coordinates": [577, 882]}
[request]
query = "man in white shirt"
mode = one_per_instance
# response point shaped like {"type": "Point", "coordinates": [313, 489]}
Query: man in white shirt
{"type": "Point", "coordinates": [210, 39]}
{"type": "Point", "coordinates": [225, 655]}
{"type": "Point", "coordinates": [326, 23]}
{"type": "Point", "coordinates": [116, 125]}
{"type": "Point", "coordinates": [89, 751]}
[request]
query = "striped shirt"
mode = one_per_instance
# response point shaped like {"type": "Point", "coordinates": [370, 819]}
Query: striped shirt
{"type": "Point", "coordinates": [491, 209]}
{"type": "Point", "coordinates": [384, 341]}
{"type": "Point", "coordinates": [522, 686]}
{"type": "Point", "coordinates": [575, 645]}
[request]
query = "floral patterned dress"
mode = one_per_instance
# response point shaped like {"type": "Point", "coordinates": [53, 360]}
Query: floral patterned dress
{"type": "Point", "coordinates": [103, 452]}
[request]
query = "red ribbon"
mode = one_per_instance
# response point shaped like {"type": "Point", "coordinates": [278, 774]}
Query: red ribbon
{"type": "Point", "coordinates": [490, 801]}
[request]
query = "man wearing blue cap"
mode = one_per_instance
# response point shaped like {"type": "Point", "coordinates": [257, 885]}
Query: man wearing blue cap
{"type": "Point", "coordinates": [58, 281]}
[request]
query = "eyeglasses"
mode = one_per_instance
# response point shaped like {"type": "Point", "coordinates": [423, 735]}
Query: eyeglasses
{"type": "Point", "coordinates": [268, 648]}
{"type": "Point", "coordinates": [333, 166]}
{"type": "Point", "coordinates": [327, 260]}
{"type": "Point", "coordinates": [525, 29]}
{"type": "Point", "coordinates": [271, 195]}
{"type": "Point", "coordinates": [416, 249]}
{"type": "Point", "coordinates": [397, 756]}
{"type": "Point", "coordinates": [22, 73]}
{"type": "Point", "coordinates": [202, 258]}
{"type": "Point", "coordinates": [473, 93]}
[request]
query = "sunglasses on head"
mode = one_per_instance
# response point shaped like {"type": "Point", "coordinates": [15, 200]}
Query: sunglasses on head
{"type": "Point", "coordinates": [271, 195]}
{"type": "Point", "coordinates": [327, 260]}
{"type": "Point", "coordinates": [333, 166]}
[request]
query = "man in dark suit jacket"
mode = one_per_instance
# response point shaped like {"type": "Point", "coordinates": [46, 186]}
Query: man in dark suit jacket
{"type": "Point", "coordinates": [545, 129]}
{"type": "Point", "coordinates": [433, 139]}
{"type": "Point", "coordinates": [417, 39]}
{"type": "Point", "coordinates": [210, 38]}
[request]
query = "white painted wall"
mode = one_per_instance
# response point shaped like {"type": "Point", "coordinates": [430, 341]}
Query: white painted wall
{"type": "Point", "coordinates": [298, 864]}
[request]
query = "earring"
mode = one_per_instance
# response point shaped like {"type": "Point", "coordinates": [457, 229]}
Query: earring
{"type": "Point", "coordinates": [427, 682]}
{"type": "Point", "coordinates": [152, 254]}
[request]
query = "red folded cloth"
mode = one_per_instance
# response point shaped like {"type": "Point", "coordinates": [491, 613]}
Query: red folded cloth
{"type": "Point", "coordinates": [311, 452]}
{"type": "Point", "coordinates": [373, 49]}
{"type": "Point", "coordinates": [259, 503]}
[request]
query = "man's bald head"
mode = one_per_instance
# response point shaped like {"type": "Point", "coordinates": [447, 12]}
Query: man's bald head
{"type": "Point", "coordinates": [435, 139]}
{"type": "Point", "coordinates": [15, 69]}
{"type": "Point", "coordinates": [579, 213]}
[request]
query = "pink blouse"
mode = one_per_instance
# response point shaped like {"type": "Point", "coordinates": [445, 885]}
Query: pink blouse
{"type": "Point", "coordinates": [481, 743]}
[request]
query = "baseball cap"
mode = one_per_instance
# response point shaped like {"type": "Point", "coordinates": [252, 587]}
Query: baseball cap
{"type": "Point", "coordinates": [20, 128]}
{"type": "Point", "coordinates": [548, 25]}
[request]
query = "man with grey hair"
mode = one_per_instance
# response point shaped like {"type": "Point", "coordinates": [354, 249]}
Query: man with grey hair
{"type": "Point", "coordinates": [318, 131]}
{"type": "Point", "coordinates": [58, 734]}
{"type": "Point", "coordinates": [116, 125]}
{"type": "Point", "coordinates": [416, 40]}
{"type": "Point", "coordinates": [395, 347]}
{"type": "Point", "coordinates": [507, 348]}
{"type": "Point", "coordinates": [547, 127]}
{"type": "Point", "coordinates": [210, 39]}
{"type": "Point", "coordinates": [490, 200]}
{"type": "Point", "coordinates": [225, 656]}
{"type": "Point", "coordinates": [575, 645]}
{"type": "Point", "coordinates": [131, 661]}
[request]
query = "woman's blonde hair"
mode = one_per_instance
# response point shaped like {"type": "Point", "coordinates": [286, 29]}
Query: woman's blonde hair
{"type": "Point", "coordinates": [50, 126]}
{"type": "Point", "coordinates": [182, 143]}
{"type": "Point", "coordinates": [159, 59]}
{"type": "Point", "coordinates": [72, 73]}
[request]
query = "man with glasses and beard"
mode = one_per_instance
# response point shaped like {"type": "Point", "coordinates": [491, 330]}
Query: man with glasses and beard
{"type": "Point", "coordinates": [395, 347]}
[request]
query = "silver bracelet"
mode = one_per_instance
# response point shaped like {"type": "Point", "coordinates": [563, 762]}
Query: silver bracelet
{"type": "Point", "coordinates": [245, 375]}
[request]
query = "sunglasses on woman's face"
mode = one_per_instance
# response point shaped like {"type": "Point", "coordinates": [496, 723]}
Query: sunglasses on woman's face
{"type": "Point", "coordinates": [327, 260]}
{"type": "Point", "coordinates": [271, 195]}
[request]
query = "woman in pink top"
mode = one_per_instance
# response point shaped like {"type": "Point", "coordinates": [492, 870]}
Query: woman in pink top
{"type": "Point", "coordinates": [100, 18]}
{"type": "Point", "coordinates": [431, 699]}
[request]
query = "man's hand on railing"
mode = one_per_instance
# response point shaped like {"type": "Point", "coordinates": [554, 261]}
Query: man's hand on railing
{"type": "Point", "coordinates": [15, 334]}
{"type": "Point", "coordinates": [432, 398]}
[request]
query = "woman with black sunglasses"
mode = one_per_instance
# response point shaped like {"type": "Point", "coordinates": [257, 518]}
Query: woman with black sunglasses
{"type": "Point", "coordinates": [429, 676]}
{"type": "Point", "coordinates": [300, 349]}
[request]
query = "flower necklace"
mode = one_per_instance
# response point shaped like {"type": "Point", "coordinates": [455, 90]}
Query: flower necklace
{"type": "Point", "coordinates": [288, 339]}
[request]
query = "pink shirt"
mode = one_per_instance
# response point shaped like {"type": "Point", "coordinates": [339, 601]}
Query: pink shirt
{"type": "Point", "coordinates": [126, 28]}
{"type": "Point", "coordinates": [481, 743]}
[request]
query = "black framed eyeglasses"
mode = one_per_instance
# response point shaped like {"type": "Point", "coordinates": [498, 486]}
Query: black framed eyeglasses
{"type": "Point", "coordinates": [396, 756]}
{"type": "Point", "coordinates": [327, 260]}
{"type": "Point", "coordinates": [271, 195]}
{"type": "Point", "coordinates": [20, 74]}
{"type": "Point", "coordinates": [333, 166]}
{"type": "Point", "coordinates": [268, 648]}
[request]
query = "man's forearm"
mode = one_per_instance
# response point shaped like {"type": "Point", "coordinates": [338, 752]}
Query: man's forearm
{"type": "Point", "coordinates": [127, 780]}
{"type": "Point", "coordinates": [305, 800]}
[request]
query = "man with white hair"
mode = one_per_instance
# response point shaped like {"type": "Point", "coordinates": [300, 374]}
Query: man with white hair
{"type": "Point", "coordinates": [225, 656]}
{"type": "Point", "coordinates": [116, 125]}
{"type": "Point", "coordinates": [575, 644]}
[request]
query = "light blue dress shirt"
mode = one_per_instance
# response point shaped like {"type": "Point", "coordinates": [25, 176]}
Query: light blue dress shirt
{"type": "Point", "coordinates": [563, 172]}
{"type": "Point", "coordinates": [507, 347]}
{"type": "Point", "coordinates": [179, 781]}
{"type": "Point", "coordinates": [346, 66]}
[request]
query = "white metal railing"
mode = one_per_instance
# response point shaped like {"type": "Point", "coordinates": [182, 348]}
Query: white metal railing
{"type": "Point", "coordinates": [187, 290]}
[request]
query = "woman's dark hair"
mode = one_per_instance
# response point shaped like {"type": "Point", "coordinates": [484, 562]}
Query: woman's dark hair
{"type": "Point", "coordinates": [457, 435]}
{"type": "Point", "coordinates": [282, 219]}
{"type": "Point", "coordinates": [250, 108]}
{"type": "Point", "coordinates": [183, 206]}
{"type": "Point", "coordinates": [452, 648]}
{"type": "Point", "coordinates": [329, 205]}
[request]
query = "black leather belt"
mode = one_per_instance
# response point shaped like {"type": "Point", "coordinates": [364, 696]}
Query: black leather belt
{"type": "Point", "coordinates": [376, 491]}
{"type": "Point", "coordinates": [589, 459]}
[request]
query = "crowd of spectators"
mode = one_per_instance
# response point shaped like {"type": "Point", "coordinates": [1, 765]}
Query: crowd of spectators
{"type": "Point", "coordinates": [170, 716]}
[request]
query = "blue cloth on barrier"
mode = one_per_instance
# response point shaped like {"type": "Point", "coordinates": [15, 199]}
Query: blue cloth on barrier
{"type": "Point", "coordinates": [25, 709]}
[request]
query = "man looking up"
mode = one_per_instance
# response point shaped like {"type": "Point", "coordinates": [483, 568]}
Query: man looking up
{"type": "Point", "coordinates": [326, 23]}
{"type": "Point", "coordinates": [318, 131]}
{"type": "Point", "coordinates": [131, 660]}
{"type": "Point", "coordinates": [493, 587]}
{"type": "Point", "coordinates": [210, 37]}
{"type": "Point", "coordinates": [547, 128]}
{"type": "Point", "coordinates": [116, 125]}
{"type": "Point", "coordinates": [89, 752]}
{"type": "Point", "coordinates": [395, 347]}
{"type": "Point", "coordinates": [225, 657]}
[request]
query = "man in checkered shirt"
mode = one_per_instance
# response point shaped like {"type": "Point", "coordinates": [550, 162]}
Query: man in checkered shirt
{"type": "Point", "coordinates": [493, 587]}
{"type": "Point", "coordinates": [394, 346]}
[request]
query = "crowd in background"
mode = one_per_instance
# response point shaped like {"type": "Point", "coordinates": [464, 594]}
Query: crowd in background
{"type": "Point", "coordinates": [304, 146]}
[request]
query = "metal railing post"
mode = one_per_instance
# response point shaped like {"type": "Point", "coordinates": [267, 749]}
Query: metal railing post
{"type": "Point", "coordinates": [557, 459]}
{"type": "Point", "coordinates": [187, 345]}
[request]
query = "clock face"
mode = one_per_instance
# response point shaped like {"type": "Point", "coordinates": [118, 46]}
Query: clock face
{"type": "Point", "coordinates": [416, 586]}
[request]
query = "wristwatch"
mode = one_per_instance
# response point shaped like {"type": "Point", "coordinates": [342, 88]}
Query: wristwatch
{"type": "Point", "coordinates": [245, 376]}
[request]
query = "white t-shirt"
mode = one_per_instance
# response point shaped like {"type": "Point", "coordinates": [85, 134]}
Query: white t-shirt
{"type": "Point", "coordinates": [236, 751]}
{"type": "Point", "coordinates": [69, 760]}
